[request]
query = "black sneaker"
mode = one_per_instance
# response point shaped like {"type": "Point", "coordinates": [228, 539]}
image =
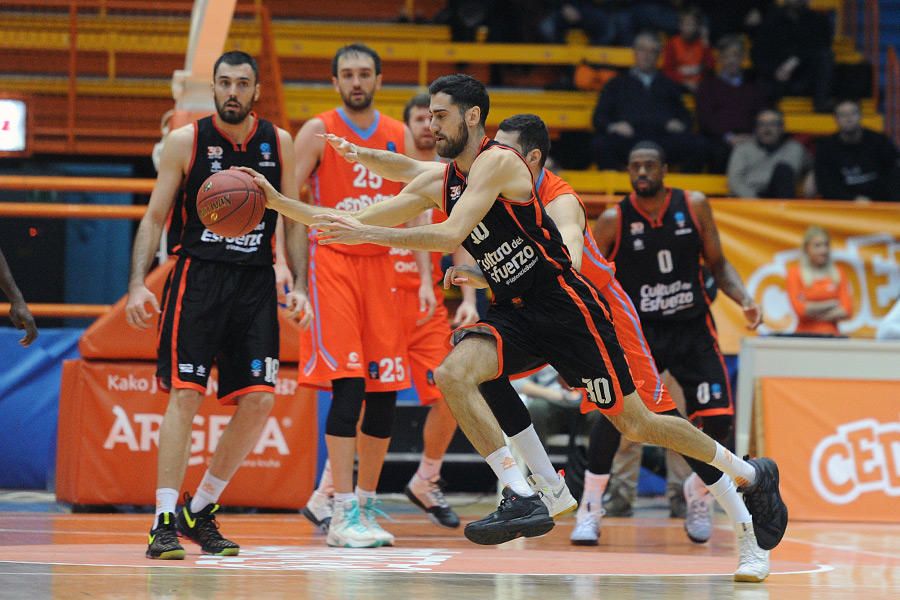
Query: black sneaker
{"type": "Point", "coordinates": [517, 516]}
{"type": "Point", "coordinates": [203, 529]}
{"type": "Point", "coordinates": [163, 538]}
{"type": "Point", "coordinates": [763, 500]}
{"type": "Point", "coordinates": [429, 496]}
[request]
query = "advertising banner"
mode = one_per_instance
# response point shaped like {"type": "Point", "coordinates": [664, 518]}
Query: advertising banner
{"type": "Point", "coordinates": [762, 238]}
{"type": "Point", "coordinates": [837, 444]}
{"type": "Point", "coordinates": [109, 418]}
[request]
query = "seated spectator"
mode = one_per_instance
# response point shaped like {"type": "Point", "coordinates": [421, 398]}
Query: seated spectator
{"type": "Point", "coordinates": [856, 163]}
{"type": "Point", "coordinates": [818, 290]}
{"type": "Point", "coordinates": [769, 165]}
{"type": "Point", "coordinates": [792, 51]}
{"type": "Point", "coordinates": [644, 104]}
{"type": "Point", "coordinates": [688, 57]}
{"type": "Point", "coordinates": [727, 103]}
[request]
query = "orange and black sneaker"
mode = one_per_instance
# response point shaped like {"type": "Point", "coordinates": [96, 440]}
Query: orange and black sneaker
{"type": "Point", "coordinates": [203, 529]}
{"type": "Point", "coordinates": [163, 538]}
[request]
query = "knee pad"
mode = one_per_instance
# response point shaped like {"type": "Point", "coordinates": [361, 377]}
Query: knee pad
{"type": "Point", "coordinates": [378, 416]}
{"type": "Point", "coordinates": [506, 405]}
{"type": "Point", "coordinates": [346, 404]}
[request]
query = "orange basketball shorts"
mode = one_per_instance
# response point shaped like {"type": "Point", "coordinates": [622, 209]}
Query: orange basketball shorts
{"type": "Point", "coordinates": [357, 330]}
{"type": "Point", "coordinates": [427, 344]}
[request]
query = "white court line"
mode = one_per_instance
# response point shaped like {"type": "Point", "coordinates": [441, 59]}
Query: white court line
{"type": "Point", "coordinates": [820, 568]}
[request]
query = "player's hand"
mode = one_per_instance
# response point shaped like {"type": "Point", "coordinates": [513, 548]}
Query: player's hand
{"type": "Point", "coordinates": [753, 315]}
{"type": "Point", "coordinates": [260, 179]}
{"type": "Point", "coordinates": [339, 229]}
{"type": "Point", "coordinates": [136, 312]}
{"type": "Point", "coordinates": [466, 314]}
{"type": "Point", "coordinates": [464, 275]}
{"type": "Point", "coordinates": [22, 319]}
{"type": "Point", "coordinates": [427, 303]}
{"type": "Point", "coordinates": [298, 307]}
{"type": "Point", "coordinates": [348, 150]}
{"type": "Point", "coordinates": [284, 279]}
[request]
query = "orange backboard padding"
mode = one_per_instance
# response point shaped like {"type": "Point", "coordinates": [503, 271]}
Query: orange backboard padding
{"type": "Point", "coordinates": [110, 336]}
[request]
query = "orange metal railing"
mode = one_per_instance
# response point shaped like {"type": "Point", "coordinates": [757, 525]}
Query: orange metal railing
{"type": "Point", "coordinates": [892, 96]}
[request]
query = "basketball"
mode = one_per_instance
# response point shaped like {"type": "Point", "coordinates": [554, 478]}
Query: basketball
{"type": "Point", "coordinates": [230, 203]}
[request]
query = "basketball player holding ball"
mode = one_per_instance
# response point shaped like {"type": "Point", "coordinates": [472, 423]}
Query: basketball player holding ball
{"type": "Point", "coordinates": [219, 304]}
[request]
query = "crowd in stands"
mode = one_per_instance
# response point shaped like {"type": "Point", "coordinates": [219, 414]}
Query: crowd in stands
{"type": "Point", "coordinates": [701, 48]}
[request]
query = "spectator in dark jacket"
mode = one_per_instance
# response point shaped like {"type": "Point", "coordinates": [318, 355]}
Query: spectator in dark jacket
{"type": "Point", "coordinates": [727, 103]}
{"type": "Point", "coordinates": [643, 104]}
{"type": "Point", "coordinates": [856, 163]}
{"type": "Point", "coordinates": [792, 51]}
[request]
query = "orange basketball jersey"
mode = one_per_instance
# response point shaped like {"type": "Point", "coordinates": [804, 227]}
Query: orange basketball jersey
{"type": "Point", "coordinates": [593, 265]}
{"type": "Point", "coordinates": [337, 183]}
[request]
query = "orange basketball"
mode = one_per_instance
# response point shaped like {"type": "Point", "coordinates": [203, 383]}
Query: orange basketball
{"type": "Point", "coordinates": [230, 203]}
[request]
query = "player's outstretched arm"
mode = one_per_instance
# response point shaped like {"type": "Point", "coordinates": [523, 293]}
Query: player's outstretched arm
{"type": "Point", "coordinates": [727, 278]}
{"type": "Point", "coordinates": [567, 213]}
{"type": "Point", "coordinates": [421, 194]}
{"type": "Point", "coordinates": [390, 165]}
{"type": "Point", "coordinates": [491, 174]}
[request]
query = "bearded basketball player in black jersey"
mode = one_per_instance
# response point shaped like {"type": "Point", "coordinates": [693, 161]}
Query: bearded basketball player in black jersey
{"type": "Point", "coordinates": [543, 310]}
{"type": "Point", "coordinates": [219, 304]}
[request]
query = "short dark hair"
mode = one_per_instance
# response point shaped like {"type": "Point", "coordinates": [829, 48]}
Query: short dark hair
{"type": "Point", "coordinates": [533, 134]}
{"type": "Point", "coordinates": [466, 92]}
{"type": "Point", "coordinates": [417, 101]}
{"type": "Point", "coordinates": [648, 145]}
{"type": "Point", "coordinates": [234, 58]}
{"type": "Point", "coordinates": [355, 49]}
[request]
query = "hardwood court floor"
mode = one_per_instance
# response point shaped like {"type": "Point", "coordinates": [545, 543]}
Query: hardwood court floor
{"type": "Point", "coordinates": [45, 555]}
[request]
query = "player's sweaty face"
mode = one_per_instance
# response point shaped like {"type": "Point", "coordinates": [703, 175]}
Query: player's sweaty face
{"type": "Point", "coordinates": [448, 126]}
{"type": "Point", "coordinates": [646, 172]}
{"type": "Point", "coordinates": [235, 89]}
{"type": "Point", "coordinates": [356, 80]}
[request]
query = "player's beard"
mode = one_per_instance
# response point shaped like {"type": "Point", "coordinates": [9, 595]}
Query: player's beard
{"type": "Point", "coordinates": [425, 143]}
{"type": "Point", "coordinates": [233, 116]}
{"type": "Point", "coordinates": [358, 104]}
{"type": "Point", "coordinates": [453, 147]}
{"type": "Point", "coordinates": [648, 192]}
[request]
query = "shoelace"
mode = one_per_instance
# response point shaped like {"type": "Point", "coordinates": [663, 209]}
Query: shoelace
{"type": "Point", "coordinates": [372, 511]}
{"type": "Point", "coordinates": [437, 494]}
{"type": "Point", "coordinates": [167, 535]}
{"type": "Point", "coordinates": [698, 510]}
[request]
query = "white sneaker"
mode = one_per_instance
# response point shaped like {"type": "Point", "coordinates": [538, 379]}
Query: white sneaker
{"type": "Point", "coordinates": [347, 529]}
{"type": "Point", "coordinates": [698, 520]}
{"type": "Point", "coordinates": [368, 513]}
{"type": "Point", "coordinates": [556, 495]}
{"type": "Point", "coordinates": [753, 561]}
{"type": "Point", "coordinates": [319, 510]}
{"type": "Point", "coordinates": [587, 527]}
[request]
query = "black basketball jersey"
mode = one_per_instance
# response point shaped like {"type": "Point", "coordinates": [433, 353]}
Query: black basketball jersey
{"type": "Point", "coordinates": [658, 260]}
{"type": "Point", "coordinates": [517, 246]}
{"type": "Point", "coordinates": [213, 152]}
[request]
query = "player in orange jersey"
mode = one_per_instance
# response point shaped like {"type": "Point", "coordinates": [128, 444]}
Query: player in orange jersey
{"type": "Point", "coordinates": [356, 345]}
